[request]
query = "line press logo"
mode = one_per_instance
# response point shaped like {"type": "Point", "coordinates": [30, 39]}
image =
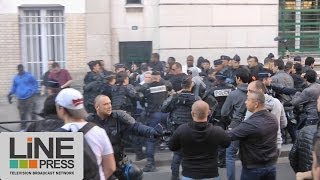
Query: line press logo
{"type": "Point", "coordinates": [49, 155]}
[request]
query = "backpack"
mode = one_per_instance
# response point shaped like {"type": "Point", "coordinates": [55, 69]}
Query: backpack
{"type": "Point", "coordinates": [90, 166]}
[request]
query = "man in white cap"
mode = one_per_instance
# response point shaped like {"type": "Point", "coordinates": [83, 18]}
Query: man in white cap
{"type": "Point", "coordinates": [69, 105]}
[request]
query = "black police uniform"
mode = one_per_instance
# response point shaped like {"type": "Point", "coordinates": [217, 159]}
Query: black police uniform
{"type": "Point", "coordinates": [90, 92]}
{"type": "Point", "coordinates": [176, 81]}
{"type": "Point", "coordinates": [179, 107]}
{"type": "Point", "coordinates": [92, 76]}
{"type": "Point", "coordinates": [116, 126]}
{"type": "Point", "coordinates": [122, 97]}
{"type": "Point", "coordinates": [154, 95]}
{"type": "Point", "coordinates": [220, 93]}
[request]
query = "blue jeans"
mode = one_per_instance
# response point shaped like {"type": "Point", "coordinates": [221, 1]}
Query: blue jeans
{"type": "Point", "coordinates": [187, 178]}
{"type": "Point", "coordinates": [266, 173]}
{"type": "Point", "coordinates": [154, 119]}
{"type": "Point", "coordinates": [175, 163]}
{"type": "Point", "coordinates": [231, 156]}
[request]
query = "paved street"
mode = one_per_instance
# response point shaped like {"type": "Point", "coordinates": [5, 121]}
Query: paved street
{"type": "Point", "coordinates": [284, 171]}
{"type": "Point", "coordinates": [163, 160]}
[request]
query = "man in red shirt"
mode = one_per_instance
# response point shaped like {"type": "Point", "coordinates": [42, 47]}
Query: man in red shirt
{"type": "Point", "coordinates": [60, 75]}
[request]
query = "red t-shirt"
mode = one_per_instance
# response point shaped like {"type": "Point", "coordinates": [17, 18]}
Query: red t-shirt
{"type": "Point", "coordinates": [62, 76]}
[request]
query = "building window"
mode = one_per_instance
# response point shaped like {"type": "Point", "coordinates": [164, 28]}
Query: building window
{"type": "Point", "coordinates": [133, 1]}
{"type": "Point", "coordinates": [299, 24]}
{"type": "Point", "coordinates": [42, 38]}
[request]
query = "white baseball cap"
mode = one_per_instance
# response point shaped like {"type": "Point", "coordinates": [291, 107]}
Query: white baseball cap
{"type": "Point", "coordinates": [70, 98]}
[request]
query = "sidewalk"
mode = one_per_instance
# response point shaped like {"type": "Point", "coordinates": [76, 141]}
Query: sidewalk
{"type": "Point", "coordinates": [164, 157]}
{"type": "Point", "coordinates": [9, 112]}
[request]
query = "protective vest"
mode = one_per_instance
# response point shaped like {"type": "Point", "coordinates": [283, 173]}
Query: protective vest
{"type": "Point", "coordinates": [220, 93]}
{"type": "Point", "coordinates": [120, 98]}
{"type": "Point", "coordinates": [113, 130]}
{"type": "Point", "coordinates": [182, 112]}
{"type": "Point", "coordinates": [154, 95]}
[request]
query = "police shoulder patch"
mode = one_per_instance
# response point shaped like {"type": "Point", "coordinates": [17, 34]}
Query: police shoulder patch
{"type": "Point", "coordinates": [221, 92]}
{"type": "Point", "coordinates": [158, 89]}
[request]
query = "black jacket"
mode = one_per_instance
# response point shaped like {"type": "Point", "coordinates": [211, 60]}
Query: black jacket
{"type": "Point", "coordinates": [254, 71]}
{"type": "Point", "coordinates": [306, 68]}
{"type": "Point", "coordinates": [116, 125]}
{"type": "Point", "coordinates": [92, 76]}
{"type": "Point", "coordinates": [176, 80]}
{"type": "Point", "coordinates": [299, 82]}
{"type": "Point", "coordinates": [156, 66]}
{"type": "Point", "coordinates": [258, 140]}
{"type": "Point", "coordinates": [45, 79]}
{"type": "Point", "coordinates": [300, 155]}
{"type": "Point", "coordinates": [199, 143]}
{"type": "Point", "coordinates": [90, 92]}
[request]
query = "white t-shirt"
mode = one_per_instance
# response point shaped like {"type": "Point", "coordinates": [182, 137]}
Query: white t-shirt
{"type": "Point", "coordinates": [97, 139]}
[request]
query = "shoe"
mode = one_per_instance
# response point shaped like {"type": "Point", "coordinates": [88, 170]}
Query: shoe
{"type": "Point", "coordinates": [140, 157]}
{"type": "Point", "coordinates": [173, 177]}
{"type": "Point", "coordinates": [149, 168]}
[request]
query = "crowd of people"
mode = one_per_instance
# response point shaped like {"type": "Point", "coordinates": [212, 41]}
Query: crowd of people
{"type": "Point", "coordinates": [211, 114]}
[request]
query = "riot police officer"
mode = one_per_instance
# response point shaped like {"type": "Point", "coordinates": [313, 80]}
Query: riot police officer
{"type": "Point", "coordinates": [179, 108]}
{"type": "Point", "coordinates": [220, 92]}
{"type": "Point", "coordinates": [154, 94]}
{"type": "Point", "coordinates": [94, 74]}
{"type": "Point", "coordinates": [90, 91]}
{"type": "Point", "coordinates": [117, 123]}
{"type": "Point", "coordinates": [227, 70]}
{"type": "Point", "coordinates": [123, 94]}
{"type": "Point", "coordinates": [95, 88]}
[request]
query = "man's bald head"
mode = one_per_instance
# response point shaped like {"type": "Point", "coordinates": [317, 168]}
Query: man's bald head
{"type": "Point", "coordinates": [103, 106]}
{"type": "Point", "coordinates": [99, 98]}
{"type": "Point", "coordinates": [200, 111]}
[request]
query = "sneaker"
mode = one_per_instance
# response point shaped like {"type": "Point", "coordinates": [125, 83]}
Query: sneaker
{"type": "Point", "coordinates": [149, 168]}
{"type": "Point", "coordinates": [173, 177]}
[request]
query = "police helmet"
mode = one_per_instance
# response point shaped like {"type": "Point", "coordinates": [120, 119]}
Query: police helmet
{"type": "Point", "coordinates": [132, 172]}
